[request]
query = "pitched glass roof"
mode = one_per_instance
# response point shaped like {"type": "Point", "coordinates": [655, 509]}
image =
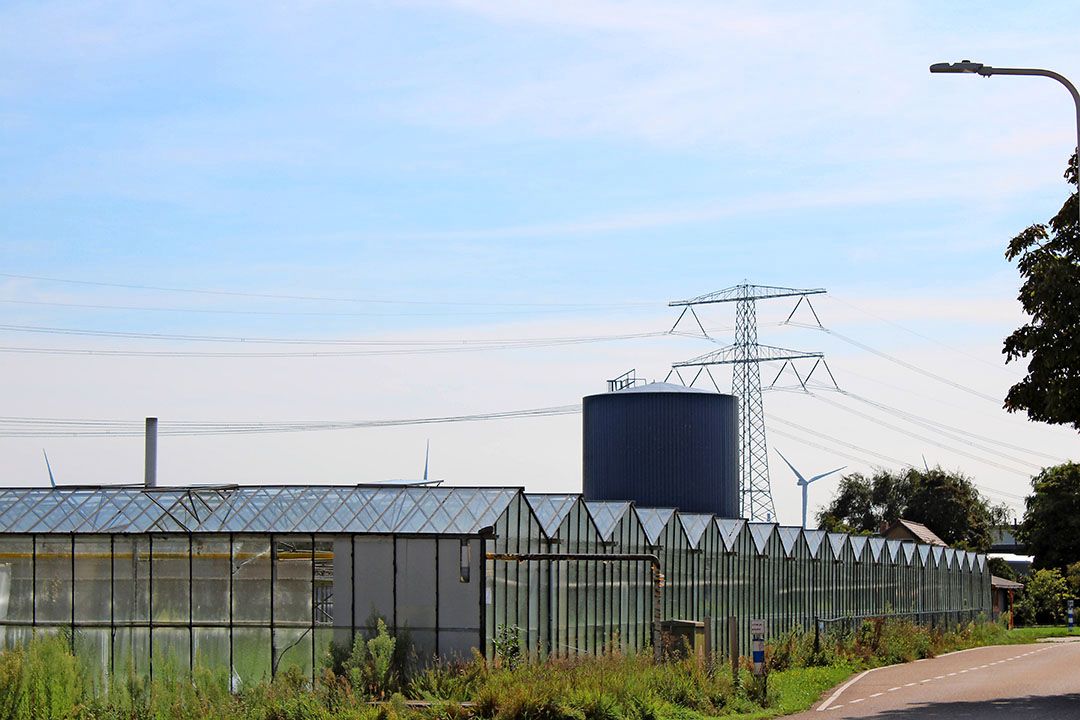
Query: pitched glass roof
{"type": "Point", "coordinates": [858, 544]}
{"type": "Point", "coordinates": [761, 532]}
{"type": "Point", "coordinates": [279, 509]}
{"type": "Point", "coordinates": [877, 544]}
{"type": "Point", "coordinates": [606, 515]}
{"type": "Point", "coordinates": [729, 531]}
{"type": "Point", "coordinates": [814, 538]}
{"type": "Point", "coordinates": [694, 525]}
{"type": "Point", "coordinates": [837, 542]}
{"type": "Point", "coordinates": [551, 510]}
{"type": "Point", "coordinates": [788, 537]}
{"type": "Point", "coordinates": [654, 520]}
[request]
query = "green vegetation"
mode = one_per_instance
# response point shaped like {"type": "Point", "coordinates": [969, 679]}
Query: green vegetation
{"type": "Point", "coordinates": [1051, 527]}
{"type": "Point", "coordinates": [946, 502]}
{"type": "Point", "coordinates": [1048, 257]}
{"type": "Point", "coordinates": [374, 681]}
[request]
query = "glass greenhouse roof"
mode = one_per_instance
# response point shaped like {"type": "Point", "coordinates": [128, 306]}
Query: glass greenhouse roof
{"type": "Point", "coordinates": [278, 509]}
{"type": "Point", "coordinates": [607, 515]}
{"type": "Point", "coordinates": [551, 510]}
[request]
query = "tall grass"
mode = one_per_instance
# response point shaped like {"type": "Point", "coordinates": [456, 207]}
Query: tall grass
{"type": "Point", "coordinates": [43, 681]}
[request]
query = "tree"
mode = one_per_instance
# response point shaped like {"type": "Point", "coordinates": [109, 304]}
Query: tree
{"type": "Point", "coordinates": [1051, 526]}
{"type": "Point", "coordinates": [1048, 257]}
{"type": "Point", "coordinates": [1043, 600]}
{"type": "Point", "coordinates": [946, 502]}
{"type": "Point", "coordinates": [1001, 569]}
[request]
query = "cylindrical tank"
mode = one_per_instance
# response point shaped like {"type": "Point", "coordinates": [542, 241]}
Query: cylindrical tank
{"type": "Point", "coordinates": [663, 445]}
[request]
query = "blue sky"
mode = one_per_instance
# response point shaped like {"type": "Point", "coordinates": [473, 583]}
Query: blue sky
{"type": "Point", "coordinates": [519, 156]}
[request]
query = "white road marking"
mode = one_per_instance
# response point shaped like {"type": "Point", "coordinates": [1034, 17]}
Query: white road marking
{"type": "Point", "coordinates": [855, 701]}
{"type": "Point", "coordinates": [825, 705]}
{"type": "Point", "coordinates": [877, 694]}
{"type": "Point", "coordinates": [893, 689]}
{"type": "Point", "coordinates": [909, 684]}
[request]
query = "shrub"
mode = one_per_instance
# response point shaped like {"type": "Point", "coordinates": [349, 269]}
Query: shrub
{"type": "Point", "coordinates": [1043, 600]}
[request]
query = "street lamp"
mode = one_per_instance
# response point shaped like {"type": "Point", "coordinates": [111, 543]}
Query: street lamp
{"type": "Point", "coordinates": [966, 66]}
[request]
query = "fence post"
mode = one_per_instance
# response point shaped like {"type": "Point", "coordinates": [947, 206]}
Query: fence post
{"type": "Point", "coordinates": [733, 636]}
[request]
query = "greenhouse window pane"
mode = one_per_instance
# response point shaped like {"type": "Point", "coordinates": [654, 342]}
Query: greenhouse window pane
{"type": "Point", "coordinates": [93, 575]}
{"type": "Point", "coordinates": [251, 580]}
{"type": "Point", "coordinates": [293, 647]}
{"type": "Point", "coordinates": [171, 581]}
{"type": "Point", "coordinates": [251, 655]}
{"type": "Point", "coordinates": [292, 580]}
{"type": "Point", "coordinates": [172, 650]}
{"type": "Point", "coordinates": [131, 578]}
{"type": "Point", "coordinates": [53, 587]}
{"type": "Point", "coordinates": [210, 579]}
{"type": "Point", "coordinates": [131, 651]}
{"type": "Point", "coordinates": [212, 654]}
{"type": "Point", "coordinates": [16, 578]}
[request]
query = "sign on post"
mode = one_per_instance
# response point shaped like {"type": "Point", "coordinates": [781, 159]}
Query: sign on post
{"type": "Point", "coordinates": [1070, 616]}
{"type": "Point", "coordinates": [757, 645]}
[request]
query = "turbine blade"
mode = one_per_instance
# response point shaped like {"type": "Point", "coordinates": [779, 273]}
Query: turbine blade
{"type": "Point", "coordinates": [427, 456]}
{"type": "Point", "coordinates": [825, 474]}
{"type": "Point", "coordinates": [797, 473]}
{"type": "Point", "coordinates": [52, 480]}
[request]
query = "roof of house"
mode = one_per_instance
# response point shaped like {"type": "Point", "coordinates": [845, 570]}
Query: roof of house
{"type": "Point", "coordinates": [1003, 584]}
{"type": "Point", "coordinates": [920, 532]}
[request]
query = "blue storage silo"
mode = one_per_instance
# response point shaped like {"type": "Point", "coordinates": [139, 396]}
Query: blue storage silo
{"type": "Point", "coordinates": [662, 445]}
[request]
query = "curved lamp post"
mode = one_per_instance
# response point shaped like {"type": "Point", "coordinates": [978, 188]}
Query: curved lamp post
{"type": "Point", "coordinates": [966, 66]}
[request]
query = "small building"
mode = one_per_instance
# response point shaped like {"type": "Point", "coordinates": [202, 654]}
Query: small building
{"type": "Point", "coordinates": [913, 532]}
{"type": "Point", "coordinates": [1002, 595]}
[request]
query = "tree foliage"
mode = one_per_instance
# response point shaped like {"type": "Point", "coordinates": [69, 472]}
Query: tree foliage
{"type": "Point", "coordinates": [1043, 601]}
{"type": "Point", "coordinates": [1048, 257]}
{"type": "Point", "coordinates": [1001, 569]}
{"type": "Point", "coordinates": [946, 502]}
{"type": "Point", "coordinates": [1051, 526]}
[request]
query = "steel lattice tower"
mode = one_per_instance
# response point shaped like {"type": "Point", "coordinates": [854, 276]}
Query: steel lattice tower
{"type": "Point", "coordinates": [745, 356]}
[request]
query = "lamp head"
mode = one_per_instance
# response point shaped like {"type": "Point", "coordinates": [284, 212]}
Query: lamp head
{"type": "Point", "coordinates": [964, 66]}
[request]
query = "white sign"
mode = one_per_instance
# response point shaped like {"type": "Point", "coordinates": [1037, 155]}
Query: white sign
{"type": "Point", "coordinates": [757, 645]}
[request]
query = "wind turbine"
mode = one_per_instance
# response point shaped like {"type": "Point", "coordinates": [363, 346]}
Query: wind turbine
{"type": "Point", "coordinates": [52, 480]}
{"type": "Point", "coordinates": [804, 483]}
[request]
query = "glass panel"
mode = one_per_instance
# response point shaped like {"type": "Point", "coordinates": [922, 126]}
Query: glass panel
{"type": "Point", "coordinates": [210, 579]}
{"type": "Point", "coordinates": [16, 578]}
{"type": "Point", "coordinates": [131, 578]}
{"type": "Point", "coordinates": [92, 650]}
{"type": "Point", "coordinates": [324, 582]}
{"type": "Point", "coordinates": [292, 580]}
{"type": "Point", "coordinates": [212, 655]}
{"type": "Point", "coordinates": [93, 574]}
{"type": "Point", "coordinates": [131, 652]}
{"type": "Point", "coordinates": [53, 588]}
{"type": "Point", "coordinates": [251, 581]}
{"type": "Point", "coordinates": [171, 584]}
{"type": "Point", "coordinates": [172, 648]}
{"type": "Point", "coordinates": [293, 647]}
{"type": "Point", "coordinates": [251, 655]}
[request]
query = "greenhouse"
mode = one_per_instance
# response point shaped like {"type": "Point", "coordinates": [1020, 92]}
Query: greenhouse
{"type": "Point", "coordinates": [253, 580]}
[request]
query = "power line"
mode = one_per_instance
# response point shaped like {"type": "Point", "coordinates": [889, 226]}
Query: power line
{"type": "Point", "coordinates": [314, 298]}
{"type": "Point", "coordinates": [288, 313]}
{"type": "Point", "coordinates": [870, 453]}
{"type": "Point", "coordinates": [122, 428]}
{"type": "Point", "coordinates": [948, 430]}
{"type": "Point", "coordinates": [924, 337]}
{"type": "Point", "coordinates": [902, 363]}
{"type": "Point", "coordinates": [921, 438]}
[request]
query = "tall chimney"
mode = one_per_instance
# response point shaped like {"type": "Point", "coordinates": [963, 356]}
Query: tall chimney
{"type": "Point", "coordinates": [150, 479]}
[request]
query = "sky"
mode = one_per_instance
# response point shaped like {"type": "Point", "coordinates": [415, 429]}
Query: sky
{"type": "Point", "coordinates": [434, 179]}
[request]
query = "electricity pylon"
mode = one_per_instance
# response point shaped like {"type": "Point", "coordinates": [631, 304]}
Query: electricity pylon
{"type": "Point", "coordinates": [745, 356]}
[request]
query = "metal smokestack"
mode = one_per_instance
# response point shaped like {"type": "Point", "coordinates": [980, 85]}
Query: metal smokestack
{"type": "Point", "coordinates": [150, 479]}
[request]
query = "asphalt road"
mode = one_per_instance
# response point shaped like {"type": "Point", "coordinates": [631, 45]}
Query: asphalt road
{"type": "Point", "coordinates": [1012, 681]}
